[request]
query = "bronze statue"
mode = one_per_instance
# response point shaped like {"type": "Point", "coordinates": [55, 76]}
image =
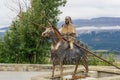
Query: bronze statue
{"type": "Point", "coordinates": [61, 54]}
{"type": "Point", "coordinates": [68, 31]}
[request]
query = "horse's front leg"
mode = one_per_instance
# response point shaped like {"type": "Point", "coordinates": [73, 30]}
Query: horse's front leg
{"type": "Point", "coordinates": [75, 69]}
{"type": "Point", "coordinates": [73, 76]}
{"type": "Point", "coordinates": [53, 70]}
{"type": "Point", "coordinates": [61, 70]}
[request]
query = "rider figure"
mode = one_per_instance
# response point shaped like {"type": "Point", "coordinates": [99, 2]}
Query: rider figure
{"type": "Point", "coordinates": [68, 31]}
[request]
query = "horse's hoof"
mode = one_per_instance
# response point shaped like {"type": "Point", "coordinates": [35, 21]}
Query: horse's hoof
{"type": "Point", "coordinates": [75, 77]}
{"type": "Point", "coordinates": [86, 75]}
{"type": "Point", "coordinates": [61, 78]}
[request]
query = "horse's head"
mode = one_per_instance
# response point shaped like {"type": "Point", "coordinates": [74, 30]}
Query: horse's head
{"type": "Point", "coordinates": [48, 32]}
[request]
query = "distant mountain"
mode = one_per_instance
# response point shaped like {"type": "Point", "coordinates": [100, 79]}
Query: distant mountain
{"type": "Point", "coordinates": [103, 40]}
{"type": "Point", "coordinates": [2, 30]}
{"type": "Point", "coordinates": [1, 34]}
{"type": "Point", "coordinates": [98, 22]}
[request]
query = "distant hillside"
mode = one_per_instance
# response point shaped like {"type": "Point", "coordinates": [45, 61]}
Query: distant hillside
{"type": "Point", "coordinates": [101, 21]}
{"type": "Point", "coordinates": [105, 40]}
{"type": "Point", "coordinates": [1, 34]}
{"type": "Point", "coordinates": [2, 31]}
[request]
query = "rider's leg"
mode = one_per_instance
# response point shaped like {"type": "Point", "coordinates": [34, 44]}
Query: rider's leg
{"type": "Point", "coordinates": [71, 45]}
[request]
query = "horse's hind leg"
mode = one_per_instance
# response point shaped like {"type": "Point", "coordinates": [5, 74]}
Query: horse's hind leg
{"type": "Point", "coordinates": [61, 70]}
{"type": "Point", "coordinates": [85, 64]}
{"type": "Point", "coordinates": [53, 70]}
{"type": "Point", "coordinates": [73, 76]}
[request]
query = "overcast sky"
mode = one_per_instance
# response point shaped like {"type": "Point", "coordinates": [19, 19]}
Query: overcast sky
{"type": "Point", "coordinates": [86, 9]}
{"type": "Point", "coordinates": [77, 9]}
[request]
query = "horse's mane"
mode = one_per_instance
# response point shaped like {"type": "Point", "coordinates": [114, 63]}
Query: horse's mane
{"type": "Point", "coordinates": [58, 33]}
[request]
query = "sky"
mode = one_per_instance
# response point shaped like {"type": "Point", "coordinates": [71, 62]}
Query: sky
{"type": "Point", "coordinates": [87, 9]}
{"type": "Point", "coordinates": [77, 9]}
{"type": "Point", "coordinates": [9, 10]}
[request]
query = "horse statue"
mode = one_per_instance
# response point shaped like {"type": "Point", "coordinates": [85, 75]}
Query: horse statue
{"type": "Point", "coordinates": [62, 54]}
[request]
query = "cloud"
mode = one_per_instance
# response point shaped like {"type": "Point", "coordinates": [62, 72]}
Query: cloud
{"type": "Point", "coordinates": [88, 29]}
{"type": "Point", "coordinates": [86, 9]}
{"type": "Point", "coordinates": [9, 10]}
{"type": "Point", "coordinates": [77, 9]}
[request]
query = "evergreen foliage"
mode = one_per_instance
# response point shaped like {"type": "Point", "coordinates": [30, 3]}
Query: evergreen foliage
{"type": "Point", "coordinates": [23, 43]}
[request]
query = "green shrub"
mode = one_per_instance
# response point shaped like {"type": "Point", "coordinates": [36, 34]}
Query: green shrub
{"type": "Point", "coordinates": [96, 61]}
